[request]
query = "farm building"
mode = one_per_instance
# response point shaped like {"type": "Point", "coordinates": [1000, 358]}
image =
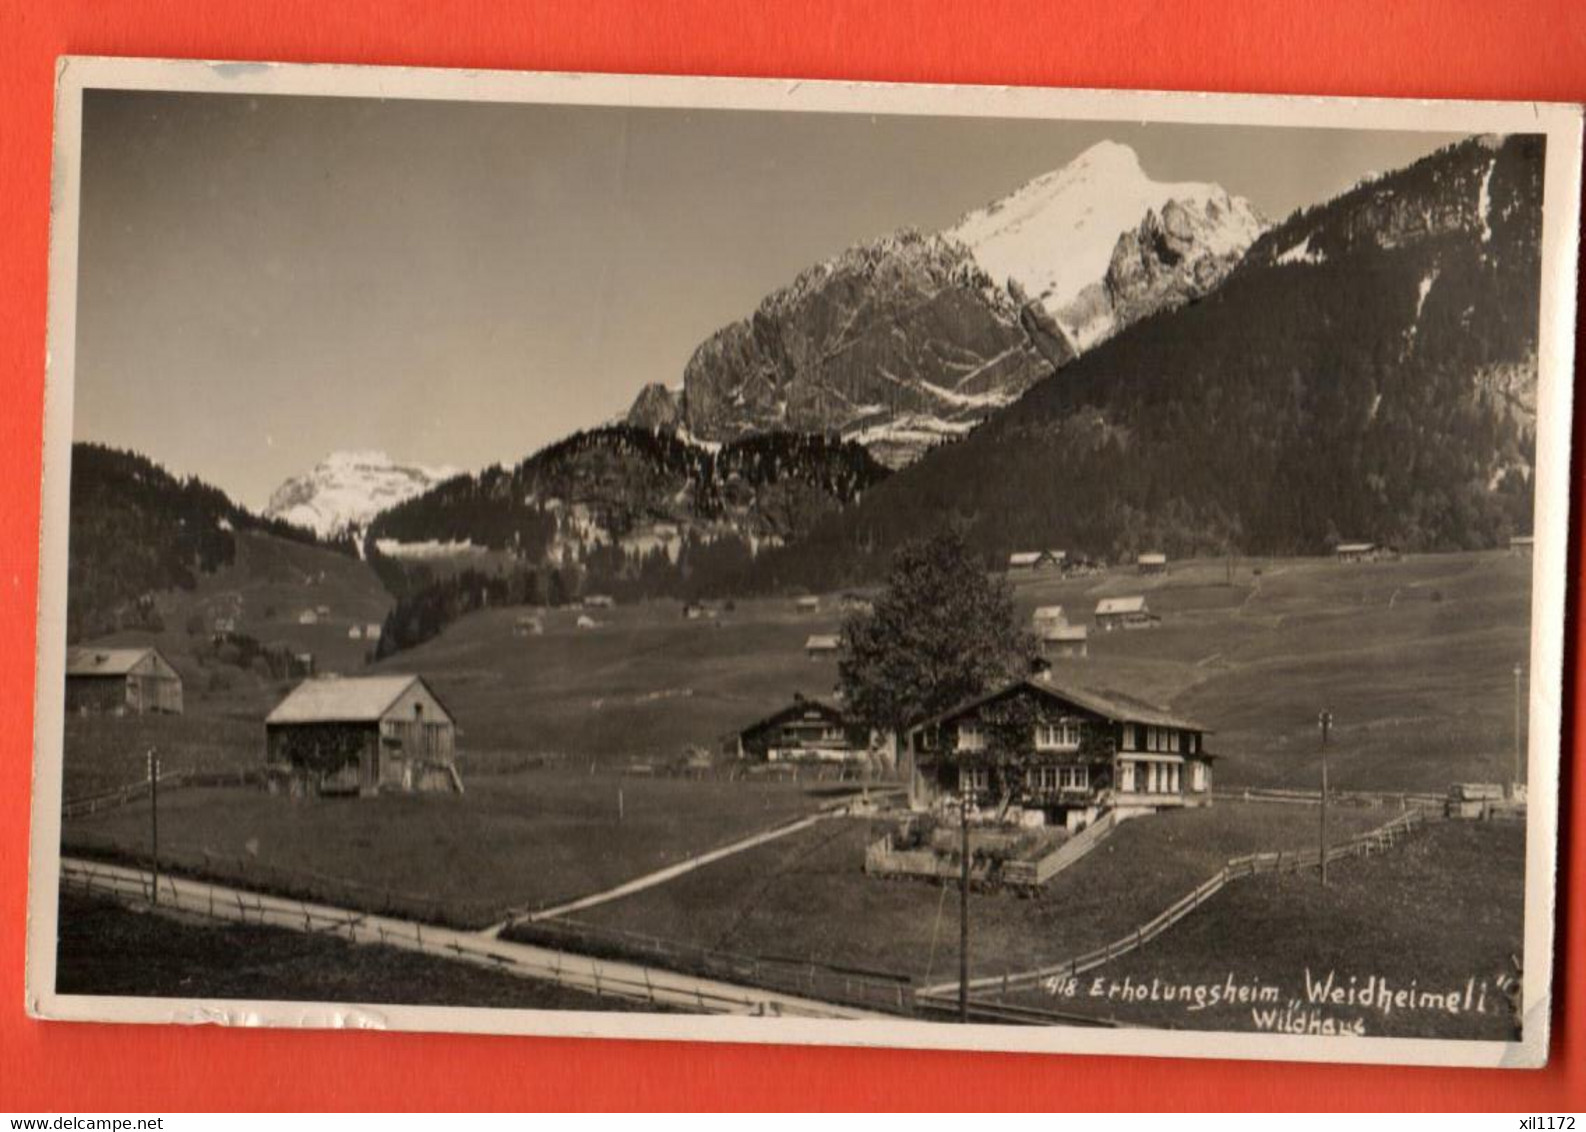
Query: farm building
{"type": "Point", "coordinates": [127, 681]}
{"type": "Point", "coordinates": [1152, 562]}
{"type": "Point", "coordinates": [821, 645]}
{"type": "Point", "coordinates": [308, 617]}
{"type": "Point", "coordinates": [599, 601]}
{"type": "Point", "coordinates": [355, 632]}
{"type": "Point", "coordinates": [1521, 544]}
{"type": "Point", "coordinates": [1036, 559]}
{"type": "Point", "coordinates": [372, 631]}
{"type": "Point", "coordinates": [1046, 616]}
{"type": "Point", "coordinates": [804, 731]}
{"type": "Point", "coordinates": [1124, 613]}
{"type": "Point", "coordinates": [1068, 641]}
{"type": "Point", "coordinates": [1086, 752]}
{"type": "Point", "coordinates": [1356, 551]}
{"type": "Point", "coordinates": [693, 611]}
{"type": "Point", "coordinates": [809, 603]}
{"type": "Point", "coordinates": [361, 735]}
{"type": "Point", "coordinates": [586, 622]}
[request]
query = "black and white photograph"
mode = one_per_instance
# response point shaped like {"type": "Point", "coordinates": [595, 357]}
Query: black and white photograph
{"type": "Point", "coordinates": [804, 562]}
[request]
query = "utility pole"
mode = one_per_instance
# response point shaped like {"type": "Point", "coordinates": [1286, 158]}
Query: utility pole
{"type": "Point", "coordinates": [963, 904]}
{"type": "Point", "coordinates": [1519, 744]}
{"type": "Point", "coordinates": [154, 824]}
{"type": "Point", "coordinates": [1325, 720]}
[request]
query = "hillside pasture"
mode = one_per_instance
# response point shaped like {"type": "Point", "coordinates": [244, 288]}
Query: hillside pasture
{"type": "Point", "coordinates": [806, 896]}
{"type": "Point", "coordinates": [645, 683]}
{"type": "Point", "coordinates": [1443, 910]}
{"type": "Point", "coordinates": [519, 840]}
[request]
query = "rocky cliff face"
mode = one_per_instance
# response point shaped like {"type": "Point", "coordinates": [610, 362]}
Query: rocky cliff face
{"type": "Point", "coordinates": [656, 408]}
{"type": "Point", "coordinates": [913, 339]}
{"type": "Point", "coordinates": [888, 341]}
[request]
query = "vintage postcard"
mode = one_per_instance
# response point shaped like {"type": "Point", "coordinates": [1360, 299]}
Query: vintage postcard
{"type": "Point", "coordinates": [804, 562]}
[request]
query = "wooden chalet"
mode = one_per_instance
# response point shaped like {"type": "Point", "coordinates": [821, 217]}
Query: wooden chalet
{"type": "Point", "coordinates": [805, 730]}
{"type": "Point", "coordinates": [1152, 562]}
{"type": "Point", "coordinates": [1065, 641]}
{"type": "Point", "coordinates": [362, 735]}
{"type": "Point", "coordinates": [1356, 552]}
{"type": "Point", "coordinates": [1036, 559]}
{"type": "Point", "coordinates": [1087, 752]}
{"type": "Point", "coordinates": [121, 681]}
{"type": "Point", "coordinates": [821, 646]}
{"type": "Point", "coordinates": [1124, 613]}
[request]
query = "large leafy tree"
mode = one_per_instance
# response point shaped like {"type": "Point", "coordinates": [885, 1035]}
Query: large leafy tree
{"type": "Point", "coordinates": [941, 632]}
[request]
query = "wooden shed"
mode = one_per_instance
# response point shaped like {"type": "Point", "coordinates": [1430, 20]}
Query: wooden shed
{"type": "Point", "coordinates": [361, 735]}
{"type": "Point", "coordinates": [125, 681]}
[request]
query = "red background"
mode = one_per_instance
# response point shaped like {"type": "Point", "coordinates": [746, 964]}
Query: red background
{"type": "Point", "coordinates": [1409, 48]}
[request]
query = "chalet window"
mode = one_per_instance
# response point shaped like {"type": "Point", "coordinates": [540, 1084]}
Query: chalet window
{"type": "Point", "coordinates": [1129, 737]}
{"type": "Point", "coordinates": [1074, 777]}
{"type": "Point", "coordinates": [973, 778]}
{"type": "Point", "coordinates": [971, 737]}
{"type": "Point", "coordinates": [1198, 777]}
{"type": "Point", "coordinates": [1063, 736]}
{"type": "Point", "coordinates": [1043, 777]}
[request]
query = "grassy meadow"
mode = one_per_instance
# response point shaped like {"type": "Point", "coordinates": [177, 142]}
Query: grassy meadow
{"type": "Point", "coordinates": [512, 840]}
{"type": "Point", "coordinates": [762, 902]}
{"type": "Point", "coordinates": [1443, 908]}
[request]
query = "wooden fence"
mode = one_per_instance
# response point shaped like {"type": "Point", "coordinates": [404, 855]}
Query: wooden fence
{"type": "Point", "coordinates": [882, 859]}
{"type": "Point", "coordinates": [1285, 861]}
{"type": "Point", "coordinates": [169, 780]}
{"type": "Point", "coordinates": [876, 990]}
{"type": "Point", "coordinates": [579, 972]}
{"type": "Point", "coordinates": [1033, 874]}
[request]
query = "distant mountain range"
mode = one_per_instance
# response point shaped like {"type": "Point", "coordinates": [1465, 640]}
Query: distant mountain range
{"type": "Point", "coordinates": [1367, 371]}
{"type": "Point", "coordinates": [912, 339]}
{"type": "Point", "coordinates": [344, 491]}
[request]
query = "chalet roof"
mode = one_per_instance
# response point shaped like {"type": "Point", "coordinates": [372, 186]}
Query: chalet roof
{"type": "Point", "coordinates": [800, 706]}
{"type": "Point", "coordinates": [1031, 557]}
{"type": "Point", "coordinates": [1152, 558]}
{"type": "Point", "coordinates": [1134, 604]}
{"type": "Point", "coordinates": [823, 641]}
{"type": "Point", "coordinates": [1355, 547]}
{"type": "Point", "coordinates": [1116, 706]}
{"type": "Point", "coordinates": [104, 662]}
{"type": "Point", "coordinates": [350, 699]}
{"type": "Point", "coordinates": [1048, 613]}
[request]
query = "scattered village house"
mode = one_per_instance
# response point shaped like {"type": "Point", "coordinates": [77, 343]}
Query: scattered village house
{"type": "Point", "coordinates": [372, 631]}
{"type": "Point", "coordinates": [1089, 752]}
{"type": "Point", "coordinates": [1356, 551]}
{"type": "Point", "coordinates": [361, 735]}
{"type": "Point", "coordinates": [1124, 613]}
{"type": "Point", "coordinates": [1152, 562]}
{"type": "Point", "coordinates": [1036, 559]}
{"type": "Point", "coordinates": [1064, 641]}
{"type": "Point", "coordinates": [599, 601]}
{"type": "Point", "coordinates": [804, 731]}
{"type": "Point", "coordinates": [1047, 616]}
{"type": "Point", "coordinates": [122, 681]}
{"type": "Point", "coordinates": [822, 645]}
{"type": "Point", "coordinates": [809, 603]}
{"type": "Point", "coordinates": [308, 617]}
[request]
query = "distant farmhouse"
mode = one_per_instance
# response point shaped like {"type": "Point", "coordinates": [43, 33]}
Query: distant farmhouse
{"type": "Point", "coordinates": [599, 601]}
{"type": "Point", "coordinates": [1089, 751]}
{"type": "Point", "coordinates": [1364, 552]}
{"type": "Point", "coordinates": [1063, 641]}
{"type": "Point", "coordinates": [821, 645]}
{"type": "Point", "coordinates": [809, 603]}
{"type": "Point", "coordinates": [1152, 562]}
{"type": "Point", "coordinates": [804, 731]}
{"type": "Point", "coordinates": [586, 622]}
{"type": "Point", "coordinates": [362, 735]}
{"type": "Point", "coordinates": [1047, 616]}
{"type": "Point", "coordinates": [1124, 613]}
{"type": "Point", "coordinates": [126, 681]}
{"type": "Point", "coordinates": [355, 632]}
{"type": "Point", "coordinates": [1036, 559]}
{"type": "Point", "coordinates": [308, 617]}
{"type": "Point", "coordinates": [1521, 544]}
{"type": "Point", "coordinates": [372, 631]}
{"type": "Point", "coordinates": [856, 603]}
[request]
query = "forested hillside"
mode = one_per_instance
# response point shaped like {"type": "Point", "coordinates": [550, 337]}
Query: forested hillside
{"type": "Point", "coordinates": [137, 530]}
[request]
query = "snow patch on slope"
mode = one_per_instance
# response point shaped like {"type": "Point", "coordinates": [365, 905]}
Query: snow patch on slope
{"type": "Point", "coordinates": [345, 490]}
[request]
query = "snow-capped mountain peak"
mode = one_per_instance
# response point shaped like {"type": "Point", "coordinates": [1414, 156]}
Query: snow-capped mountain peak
{"type": "Point", "coordinates": [1060, 236]}
{"type": "Point", "coordinates": [345, 490]}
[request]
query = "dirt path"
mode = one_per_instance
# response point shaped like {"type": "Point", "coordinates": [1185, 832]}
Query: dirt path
{"type": "Point", "coordinates": [660, 876]}
{"type": "Point", "coordinates": [615, 978]}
